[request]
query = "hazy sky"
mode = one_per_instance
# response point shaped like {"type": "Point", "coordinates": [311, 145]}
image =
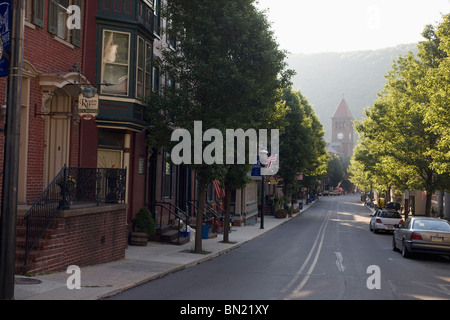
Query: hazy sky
{"type": "Point", "coordinates": [311, 26]}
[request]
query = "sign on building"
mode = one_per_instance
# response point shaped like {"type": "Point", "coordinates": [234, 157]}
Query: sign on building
{"type": "Point", "coordinates": [5, 31]}
{"type": "Point", "coordinates": [88, 107]}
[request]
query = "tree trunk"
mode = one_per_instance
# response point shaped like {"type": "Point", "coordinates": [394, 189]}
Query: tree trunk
{"type": "Point", "coordinates": [199, 221]}
{"type": "Point", "coordinates": [428, 204]}
{"type": "Point", "coordinates": [429, 194]}
{"type": "Point", "coordinates": [226, 227]}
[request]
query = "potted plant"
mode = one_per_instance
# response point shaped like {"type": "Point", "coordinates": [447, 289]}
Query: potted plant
{"type": "Point", "coordinates": [143, 227]}
{"type": "Point", "coordinates": [67, 187]}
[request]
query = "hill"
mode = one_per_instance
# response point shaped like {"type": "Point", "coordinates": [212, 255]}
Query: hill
{"type": "Point", "coordinates": [324, 78]}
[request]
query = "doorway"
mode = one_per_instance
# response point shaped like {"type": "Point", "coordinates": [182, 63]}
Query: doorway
{"type": "Point", "coordinates": [57, 133]}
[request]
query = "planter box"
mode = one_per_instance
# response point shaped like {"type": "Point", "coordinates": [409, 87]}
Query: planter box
{"type": "Point", "coordinates": [138, 239]}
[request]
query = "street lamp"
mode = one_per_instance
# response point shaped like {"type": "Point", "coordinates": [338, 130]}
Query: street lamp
{"type": "Point", "coordinates": [263, 160]}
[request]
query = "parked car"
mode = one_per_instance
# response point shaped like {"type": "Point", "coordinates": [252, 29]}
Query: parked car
{"type": "Point", "coordinates": [421, 234]}
{"type": "Point", "coordinates": [385, 219]}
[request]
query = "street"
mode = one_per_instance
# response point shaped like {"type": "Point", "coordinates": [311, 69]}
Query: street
{"type": "Point", "coordinates": [326, 253]}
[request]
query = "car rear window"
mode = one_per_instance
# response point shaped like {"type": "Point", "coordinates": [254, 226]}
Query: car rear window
{"type": "Point", "coordinates": [434, 225]}
{"type": "Point", "coordinates": [390, 214]}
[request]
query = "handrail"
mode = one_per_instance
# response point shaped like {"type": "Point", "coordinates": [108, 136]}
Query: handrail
{"type": "Point", "coordinates": [208, 208]}
{"type": "Point", "coordinates": [177, 209]}
{"type": "Point", "coordinates": [43, 213]}
{"type": "Point", "coordinates": [162, 205]}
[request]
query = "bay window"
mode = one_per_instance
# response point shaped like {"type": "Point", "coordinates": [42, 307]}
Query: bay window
{"type": "Point", "coordinates": [144, 69]}
{"type": "Point", "coordinates": [115, 62]}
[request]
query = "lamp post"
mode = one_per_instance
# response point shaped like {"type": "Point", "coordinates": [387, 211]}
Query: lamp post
{"type": "Point", "coordinates": [11, 154]}
{"type": "Point", "coordinates": [263, 160]}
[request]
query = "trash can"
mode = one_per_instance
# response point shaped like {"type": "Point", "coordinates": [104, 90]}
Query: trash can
{"type": "Point", "coordinates": [205, 231]}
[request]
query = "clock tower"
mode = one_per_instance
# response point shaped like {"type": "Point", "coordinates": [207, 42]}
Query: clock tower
{"type": "Point", "coordinates": [343, 133]}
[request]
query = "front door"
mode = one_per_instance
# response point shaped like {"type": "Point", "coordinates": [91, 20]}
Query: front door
{"type": "Point", "coordinates": [57, 136]}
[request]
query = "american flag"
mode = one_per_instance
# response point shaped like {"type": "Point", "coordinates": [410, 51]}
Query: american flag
{"type": "Point", "coordinates": [271, 160]}
{"type": "Point", "coordinates": [219, 191]}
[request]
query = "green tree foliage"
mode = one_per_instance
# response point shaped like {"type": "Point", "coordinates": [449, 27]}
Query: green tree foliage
{"type": "Point", "coordinates": [225, 71]}
{"type": "Point", "coordinates": [404, 137]}
{"type": "Point", "coordinates": [302, 148]}
{"type": "Point", "coordinates": [437, 115]}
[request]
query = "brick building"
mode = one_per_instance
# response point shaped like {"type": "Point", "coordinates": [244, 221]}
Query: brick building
{"type": "Point", "coordinates": [49, 120]}
{"type": "Point", "coordinates": [54, 64]}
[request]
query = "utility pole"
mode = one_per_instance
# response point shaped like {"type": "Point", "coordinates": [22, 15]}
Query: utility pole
{"type": "Point", "coordinates": [8, 218]}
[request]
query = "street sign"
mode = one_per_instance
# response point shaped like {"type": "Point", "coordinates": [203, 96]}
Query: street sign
{"type": "Point", "coordinates": [5, 31]}
{"type": "Point", "coordinates": [256, 170]}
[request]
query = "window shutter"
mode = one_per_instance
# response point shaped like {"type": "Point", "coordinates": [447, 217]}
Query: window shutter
{"type": "Point", "coordinates": [53, 17]}
{"type": "Point", "coordinates": [76, 33]}
{"type": "Point", "coordinates": [38, 13]}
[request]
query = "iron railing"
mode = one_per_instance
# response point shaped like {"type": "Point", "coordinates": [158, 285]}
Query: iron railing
{"type": "Point", "coordinates": [72, 186]}
{"type": "Point", "coordinates": [209, 213]}
{"type": "Point", "coordinates": [175, 216]}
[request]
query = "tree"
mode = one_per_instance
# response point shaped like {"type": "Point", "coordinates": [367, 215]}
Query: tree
{"type": "Point", "coordinates": [293, 142]}
{"type": "Point", "coordinates": [400, 131]}
{"type": "Point", "coordinates": [225, 71]}
{"type": "Point", "coordinates": [437, 115]}
{"type": "Point", "coordinates": [335, 171]}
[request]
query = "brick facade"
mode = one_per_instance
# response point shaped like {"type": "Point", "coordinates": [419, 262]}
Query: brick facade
{"type": "Point", "coordinates": [44, 54]}
{"type": "Point", "coordinates": [80, 237]}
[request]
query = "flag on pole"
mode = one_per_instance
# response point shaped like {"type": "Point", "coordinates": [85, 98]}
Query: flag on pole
{"type": "Point", "coordinates": [272, 159]}
{"type": "Point", "coordinates": [219, 191]}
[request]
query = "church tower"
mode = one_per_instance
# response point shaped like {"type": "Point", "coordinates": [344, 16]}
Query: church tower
{"type": "Point", "coordinates": [343, 133]}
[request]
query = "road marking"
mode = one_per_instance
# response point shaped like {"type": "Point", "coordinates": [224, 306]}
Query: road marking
{"type": "Point", "coordinates": [320, 235]}
{"type": "Point", "coordinates": [442, 288]}
{"type": "Point", "coordinates": [340, 261]}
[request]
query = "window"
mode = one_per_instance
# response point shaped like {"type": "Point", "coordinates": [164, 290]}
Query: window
{"type": "Point", "coordinates": [156, 80]}
{"type": "Point", "coordinates": [167, 177]}
{"type": "Point", "coordinates": [148, 68]}
{"type": "Point", "coordinates": [144, 69]}
{"type": "Point", "coordinates": [157, 18]}
{"type": "Point", "coordinates": [58, 16]}
{"type": "Point", "coordinates": [171, 40]}
{"type": "Point", "coordinates": [34, 12]}
{"type": "Point", "coordinates": [115, 62]}
{"type": "Point", "coordinates": [140, 68]}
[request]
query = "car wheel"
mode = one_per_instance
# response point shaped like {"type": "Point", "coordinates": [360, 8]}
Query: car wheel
{"type": "Point", "coordinates": [405, 252]}
{"type": "Point", "coordinates": [375, 230]}
{"type": "Point", "coordinates": [370, 227]}
{"type": "Point", "coordinates": [394, 245]}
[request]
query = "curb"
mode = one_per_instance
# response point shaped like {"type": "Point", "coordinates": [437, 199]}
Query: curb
{"type": "Point", "coordinates": [197, 262]}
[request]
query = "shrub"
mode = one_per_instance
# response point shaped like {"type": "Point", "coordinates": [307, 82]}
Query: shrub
{"type": "Point", "coordinates": [281, 213]}
{"type": "Point", "coordinates": [144, 222]}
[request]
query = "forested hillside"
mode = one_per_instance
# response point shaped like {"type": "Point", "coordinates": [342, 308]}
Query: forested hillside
{"type": "Point", "coordinates": [325, 78]}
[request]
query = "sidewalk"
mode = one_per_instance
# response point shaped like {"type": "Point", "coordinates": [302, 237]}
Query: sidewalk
{"type": "Point", "coordinates": [141, 264]}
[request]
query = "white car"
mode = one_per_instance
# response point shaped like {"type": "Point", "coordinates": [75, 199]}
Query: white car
{"type": "Point", "coordinates": [385, 220]}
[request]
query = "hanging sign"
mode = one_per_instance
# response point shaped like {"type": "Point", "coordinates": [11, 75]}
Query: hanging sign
{"type": "Point", "coordinates": [5, 32]}
{"type": "Point", "coordinates": [88, 107]}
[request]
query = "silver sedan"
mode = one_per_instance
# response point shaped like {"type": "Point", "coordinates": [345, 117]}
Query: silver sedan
{"type": "Point", "coordinates": [424, 235]}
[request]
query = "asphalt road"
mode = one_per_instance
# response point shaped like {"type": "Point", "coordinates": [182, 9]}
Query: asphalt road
{"type": "Point", "coordinates": [327, 253]}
